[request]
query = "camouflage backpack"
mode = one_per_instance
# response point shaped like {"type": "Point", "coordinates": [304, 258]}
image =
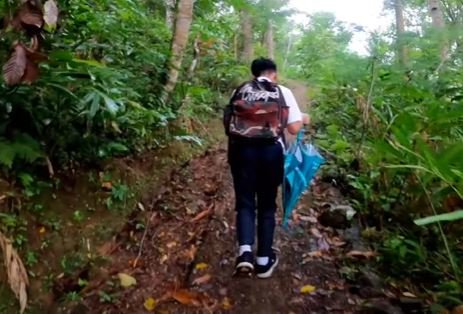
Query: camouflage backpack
{"type": "Point", "coordinates": [257, 110]}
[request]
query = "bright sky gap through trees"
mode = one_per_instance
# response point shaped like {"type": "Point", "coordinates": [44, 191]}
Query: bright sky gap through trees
{"type": "Point", "coordinates": [366, 13]}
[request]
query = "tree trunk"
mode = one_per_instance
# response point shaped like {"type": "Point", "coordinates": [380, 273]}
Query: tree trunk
{"type": "Point", "coordinates": [438, 21]}
{"type": "Point", "coordinates": [196, 55]}
{"type": "Point", "coordinates": [170, 13]}
{"type": "Point", "coordinates": [269, 41]}
{"type": "Point", "coordinates": [288, 50]}
{"type": "Point", "coordinates": [235, 46]}
{"type": "Point", "coordinates": [180, 40]}
{"type": "Point", "coordinates": [248, 48]}
{"type": "Point", "coordinates": [402, 50]}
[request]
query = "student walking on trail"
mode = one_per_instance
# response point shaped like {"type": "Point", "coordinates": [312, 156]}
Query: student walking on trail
{"type": "Point", "coordinates": [255, 120]}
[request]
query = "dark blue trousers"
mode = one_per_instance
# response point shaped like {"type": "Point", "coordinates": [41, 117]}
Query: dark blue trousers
{"type": "Point", "coordinates": [257, 171]}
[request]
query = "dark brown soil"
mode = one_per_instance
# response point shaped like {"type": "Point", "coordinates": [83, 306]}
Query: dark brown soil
{"type": "Point", "coordinates": [184, 258]}
{"type": "Point", "coordinates": [191, 236]}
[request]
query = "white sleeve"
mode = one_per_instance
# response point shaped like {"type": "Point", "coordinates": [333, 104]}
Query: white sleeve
{"type": "Point", "coordinates": [295, 114]}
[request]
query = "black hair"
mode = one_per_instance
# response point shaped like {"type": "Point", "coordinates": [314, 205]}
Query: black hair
{"type": "Point", "coordinates": [261, 65]}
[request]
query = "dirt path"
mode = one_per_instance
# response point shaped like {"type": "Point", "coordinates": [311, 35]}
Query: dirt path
{"type": "Point", "coordinates": [183, 257]}
{"type": "Point", "coordinates": [300, 91]}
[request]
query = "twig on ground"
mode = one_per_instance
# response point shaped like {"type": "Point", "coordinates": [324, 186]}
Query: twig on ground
{"type": "Point", "coordinates": [140, 250]}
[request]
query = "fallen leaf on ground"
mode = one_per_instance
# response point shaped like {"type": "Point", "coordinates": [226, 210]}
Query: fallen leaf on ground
{"type": "Point", "coordinates": [163, 259]}
{"type": "Point", "coordinates": [308, 289]}
{"type": "Point", "coordinates": [316, 233]}
{"type": "Point", "coordinates": [171, 244]}
{"type": "Point", "coordinates": [126, 280]}
{"type": "Point", "coordinates": [336, 242]}
{"type": "Point", "coordinates": [201, 280]}
{"type": "Point", "coordinates": [107, 186]}
{"type": "Point", "coordinates": [150, 304]}
{"type": "Point", "coordinates": [201, 266]}
{"type": "Point", "coordinates": [191, 253]}
{"type": "Point", "coordinates": [358, 254]}
{"type": "Point", "coordinates": [226, 305]}
{"type": "Point", "coordinates": [203, 214]}
{"type": "Point", "coordinates": [297, 276]}
{"type": "Point", "coordinates": [189, 297]}
{"type": "Point", "coordinates": [409, 295]}
{"type": "Point", "coordinates": [335, 286]}
{"type": "Point", "coordinates": [458, 310]}
{"type": "Point", "coordinates": [108, 248]}
{"type": "Point", "coordinates": [310, 219]}
{"type": "Point", "coordinates": [309, 256]}
{"type": "Point", "coordinates": [323, 244]}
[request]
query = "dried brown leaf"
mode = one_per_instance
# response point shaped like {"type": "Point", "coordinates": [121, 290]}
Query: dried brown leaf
{"type": "Point", "coordinates": [226, 304]}
{"type": "Point", "coordinates": [188, 297]}
{"type": "Point", "coordinates": [361, 254]}
{"type": "Point", "coordinates": [190, 254]}
{"type": "Point", "coordinates": [32, 72]}
{"type": "Point", "coordinates": [29, 15]}
{"type": "Point", "coordinates": [14, 69]}
{"type": "Point", "coordinates": [32, 53]}
{"type": "Point", "coordinates": [316, 233]}
{"type": "Point", "coordinates": [17, 274]}
{"type": "Point", "coordinates": [205, 213]}
{"type": "Point", "coordinates": [409, 295]}
{"type": "Point", "coordinates": [202, 280]}
{"type": "Point", "coordinates": [107, 186]}
{"type": "Point", "coordinates": [50, 13]}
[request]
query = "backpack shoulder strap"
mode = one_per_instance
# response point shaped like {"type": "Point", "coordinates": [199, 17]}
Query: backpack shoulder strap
{"type": "Point", "coordinates": [282, 96]}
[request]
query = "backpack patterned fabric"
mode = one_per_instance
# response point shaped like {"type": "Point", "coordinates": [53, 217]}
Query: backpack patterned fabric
{"type": "Point", "coordinates": [257, 110]}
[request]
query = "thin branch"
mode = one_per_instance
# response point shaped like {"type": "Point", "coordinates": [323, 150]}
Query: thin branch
{"type": "Point", "coordinates": [140, 250]}
{"type": "Point", "coordinates": [368, 107]}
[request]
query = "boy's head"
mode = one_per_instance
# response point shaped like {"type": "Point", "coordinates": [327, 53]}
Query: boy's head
{"type": "Point", "coordinates": [264, 67]}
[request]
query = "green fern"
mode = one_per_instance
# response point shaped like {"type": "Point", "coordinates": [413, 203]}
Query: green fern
{"type": "Point", "coordinates": [22, 147]}
{"type": "Point", "coordinates": [7, 154]}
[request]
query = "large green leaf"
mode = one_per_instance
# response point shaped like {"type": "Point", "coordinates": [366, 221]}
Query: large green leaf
{"type": "Point", "coordinates": [457, 215]}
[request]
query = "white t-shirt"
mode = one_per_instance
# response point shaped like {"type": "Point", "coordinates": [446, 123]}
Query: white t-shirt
{"type": "Point", "coordinates": [295, 114]}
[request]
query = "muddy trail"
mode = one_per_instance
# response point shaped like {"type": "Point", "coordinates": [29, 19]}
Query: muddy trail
{"type": "Point", "coordinates": [176, 254]}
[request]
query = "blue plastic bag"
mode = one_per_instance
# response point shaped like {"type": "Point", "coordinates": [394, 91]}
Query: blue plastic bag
{"type": "Point", "coordinates": [302, 161]}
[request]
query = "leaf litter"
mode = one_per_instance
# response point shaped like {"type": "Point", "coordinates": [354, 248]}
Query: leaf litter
{"type": "Point", "coordinates": [175, 276]}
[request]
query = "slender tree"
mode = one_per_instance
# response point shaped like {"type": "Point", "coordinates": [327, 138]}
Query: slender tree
{"type": "Point", "coordinates": [402, 50]}
{"type": "Point", "coordinates": [270, 41]}
{"type": "Point", "coordinates": [247, 32]}
{"type": "Point", "coordinates": [184, 18]}
{"type": "Point", "coordinates": [438, 22]}
{"type": "Point", "coordinates": [170, 13]}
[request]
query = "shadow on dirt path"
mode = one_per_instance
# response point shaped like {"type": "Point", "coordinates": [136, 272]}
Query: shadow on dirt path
{"type": "Point", "coordinates": [181, 251]}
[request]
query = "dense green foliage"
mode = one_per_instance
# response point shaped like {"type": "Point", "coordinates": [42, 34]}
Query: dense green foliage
{"type": "Point", "coordinates": [393, 131]}
{"type": "Point", "coordinates": [99, 94]}
{"type": "Point", "coordinates": [397, 134]}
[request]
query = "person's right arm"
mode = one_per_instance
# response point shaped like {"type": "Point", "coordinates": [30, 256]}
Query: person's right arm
{"type": "Point", "coordinates": [295, 127]}
{"type": "Point", "coordinates": [296, 119]}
